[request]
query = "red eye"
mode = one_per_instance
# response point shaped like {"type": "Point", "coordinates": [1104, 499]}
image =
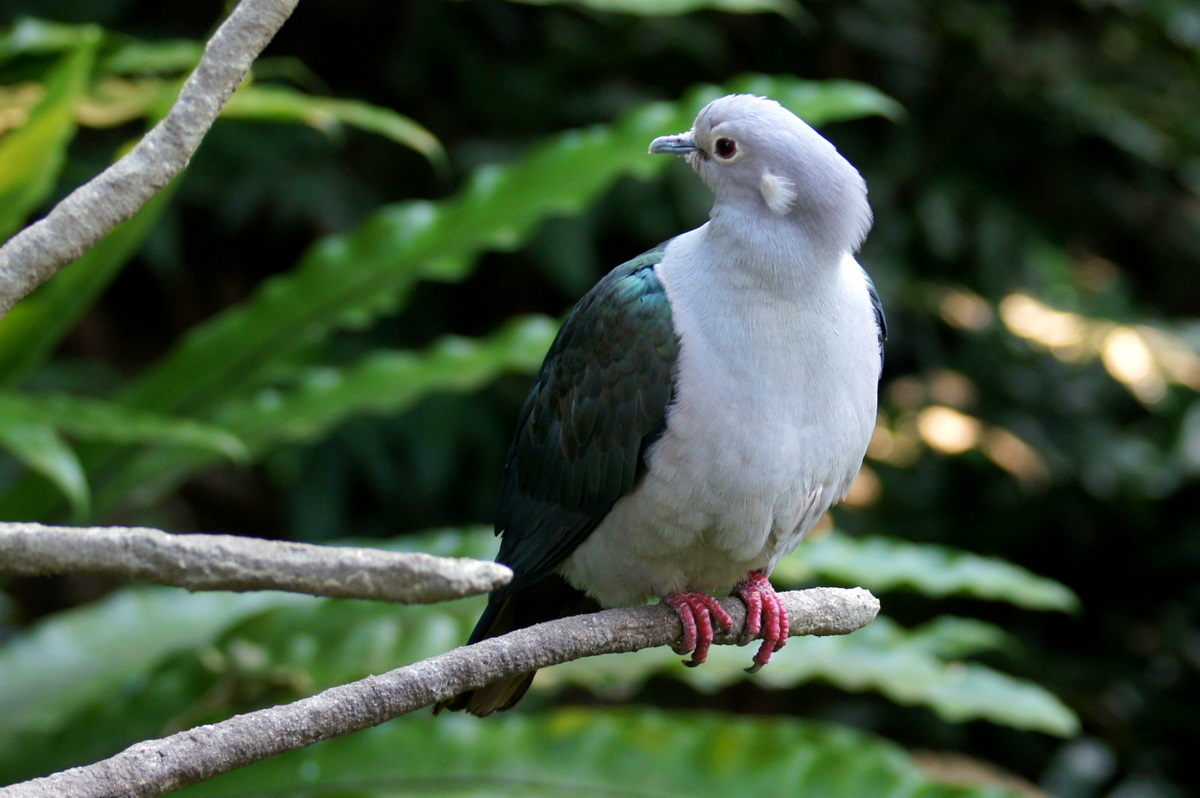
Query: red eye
{"type": "Point", "coordinates": [725, 148]}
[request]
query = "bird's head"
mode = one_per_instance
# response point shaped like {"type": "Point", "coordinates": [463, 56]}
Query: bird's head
{"type": "Point", "coordinates": [761, 159]}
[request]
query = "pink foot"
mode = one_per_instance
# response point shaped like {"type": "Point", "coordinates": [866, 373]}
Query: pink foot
{"type": "Point", "coordinates": [764, 613]}
{"type": "Point", "coordinates": [696, 612]}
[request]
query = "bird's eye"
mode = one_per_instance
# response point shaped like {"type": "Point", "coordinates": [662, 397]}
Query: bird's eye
{"type": "Point", "coordinates": [725, 148]}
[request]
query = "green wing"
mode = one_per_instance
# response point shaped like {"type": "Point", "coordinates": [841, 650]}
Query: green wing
{"type": "Point", "coordinates": [599, 401]}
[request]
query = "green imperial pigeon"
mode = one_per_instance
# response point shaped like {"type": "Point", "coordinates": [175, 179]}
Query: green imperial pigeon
{"type": "Point", "coordinates": [703, 405]}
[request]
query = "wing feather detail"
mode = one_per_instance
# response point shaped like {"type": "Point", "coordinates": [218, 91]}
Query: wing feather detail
{"type": "Point", "coordinates": [598, 403]}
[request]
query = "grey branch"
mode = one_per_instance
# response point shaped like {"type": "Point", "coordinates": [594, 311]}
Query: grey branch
{"type": "Point", "coordinates": [91, 211]}
{"type": "Point", "coordinates": [225, 562]}
{"type": "Point", "coordinates": [155, 767]}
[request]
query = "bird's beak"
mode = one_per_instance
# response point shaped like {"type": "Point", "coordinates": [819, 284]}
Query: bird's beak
{"type": "Point", "coordinates": [678, 144]}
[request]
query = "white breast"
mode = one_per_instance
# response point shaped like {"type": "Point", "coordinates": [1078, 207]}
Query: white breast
{"type": "Point", "coordinates": [775, 403]}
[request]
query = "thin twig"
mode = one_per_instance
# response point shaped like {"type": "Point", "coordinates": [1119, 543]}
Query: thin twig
{"type": "Point", "coordinates": [85, 216]}
{"type": "Point", "coordinates": [226, 562]}
{"type": "Point", "coordinates": [155, 767]}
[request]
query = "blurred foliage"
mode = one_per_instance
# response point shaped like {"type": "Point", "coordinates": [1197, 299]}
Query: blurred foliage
{"type": "Point", "coordinates": [324, 329]}
{"type": "Point", "coordinates": [220, 653]}
{"type": "Point", "coordinates": [587, 752]}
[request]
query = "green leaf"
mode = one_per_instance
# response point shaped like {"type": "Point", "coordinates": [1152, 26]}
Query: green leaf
{"type": "Point", "coordinates": [326, 113]}
{"type": "Point", "coordinates": [909, 667]}
{"type": "Point", "coordinates": [32, 155]}
{"type": "Point", "coordinates": [389, 382]}
{"type": "Point", "coordinates": [80, 656]}
{"type": "Point", "coordinates": [664, 8]}
{"type": "Point", "coordinates": [881, 564]}
{"type": "Point", "coordinates": [37, 445]}
{"type": "Point", "coordinates": [36, 325]}
{"type": "Point", "coordinates": [31, 36]}
{"type": "Point", "coordinates": [155, 58]}
{"type": "Point", "coordinates": [100, 420]}
{"type": "Point", "coordinates": [316, 399]}
{"type": "Point", "coordinates": [588, 752]}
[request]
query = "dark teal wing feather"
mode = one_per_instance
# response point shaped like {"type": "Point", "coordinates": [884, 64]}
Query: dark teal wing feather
{"type": "Point", "coordinates": [599, 401]}
{"type": "Point", "coordinates": [880, 319]}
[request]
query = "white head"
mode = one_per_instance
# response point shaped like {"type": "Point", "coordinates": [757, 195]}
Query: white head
{"type": "Point", "coordinates": [760, 159]}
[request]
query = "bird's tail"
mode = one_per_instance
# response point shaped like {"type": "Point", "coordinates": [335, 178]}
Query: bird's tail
{"type": "Point", "coordinates": [548, 599]}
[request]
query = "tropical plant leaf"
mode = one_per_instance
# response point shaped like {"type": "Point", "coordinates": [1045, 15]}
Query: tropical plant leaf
{"type": "Point", "coordinates": [80, 655]}
{"type": "Point", "coordinates": [317, 399]}
{"type": "Point", "coordinates": [281, 104]}
{"type": "Point", "coordinates": [29, 35]}
{"type": "Point", "coordinates": [38, 445]}
{"type": "Point", "coordinates": [32, 155]}
{"type": "Point", "coordinates": [881, 564]}
{"type": "Point", "coordinates": [87, 682]}
{"type": "Point", "coordinates": [152, 58]}
{"type": "Point", "coordinates": [100, 420]}
{"type": "Point", "coordinates": [593, 752]}
{"type": "Point", "coordinates": [917, 667]}
{"type": "Point", "coordinates": [390, 381]}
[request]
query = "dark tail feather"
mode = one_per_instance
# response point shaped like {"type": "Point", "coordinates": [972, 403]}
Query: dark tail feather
{"type": "Point", "coordinates": [548, 599]}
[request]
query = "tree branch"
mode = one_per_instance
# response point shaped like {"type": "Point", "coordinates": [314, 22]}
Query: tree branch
{"type": "Point", "coordinates": [155, 767]}
{"type": "Point", "coordinates": [226, 562]}
{"type": "Point", "coordinates": [91, 211]}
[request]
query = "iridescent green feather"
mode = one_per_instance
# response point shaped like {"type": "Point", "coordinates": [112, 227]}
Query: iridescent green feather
{"type": "Point", "coordinates": [599, 401]}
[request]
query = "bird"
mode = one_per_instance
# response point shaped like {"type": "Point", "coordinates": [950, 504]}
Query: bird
{"type": "Point", "coordinates": [703, 405]}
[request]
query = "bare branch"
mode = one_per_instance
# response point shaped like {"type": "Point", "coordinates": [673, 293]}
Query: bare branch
{"type": "Point", "coordinates": [225, 562]}
{"type": "Point", "coordinates": [155, 767]}
{"type": "Point", "coordinates": [91, 211]}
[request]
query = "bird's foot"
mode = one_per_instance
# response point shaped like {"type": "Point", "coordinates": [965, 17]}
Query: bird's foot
{"type": "Point", "coordinates": [697, 612]}
{"type": "Point", "coordinates": [765, 613]}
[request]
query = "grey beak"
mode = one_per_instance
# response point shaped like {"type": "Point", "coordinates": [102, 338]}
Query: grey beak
{"type": "Point", "coordinates": [678, 144]}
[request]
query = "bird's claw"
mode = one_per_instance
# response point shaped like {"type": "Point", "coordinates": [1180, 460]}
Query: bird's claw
{"type": "Point", "coordinates": [765, 614]}
{"type": "Point", "coordinates": [697, 612]}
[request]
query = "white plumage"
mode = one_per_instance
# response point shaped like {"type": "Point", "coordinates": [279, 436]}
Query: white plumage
{"type": "Point", "coordinates": [778, 370]}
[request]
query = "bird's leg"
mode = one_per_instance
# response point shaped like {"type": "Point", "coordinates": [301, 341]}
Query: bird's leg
{"type": "Point", "coordinates": [696, 612]}
{"type": "Point", "coordinates": [764, 613]}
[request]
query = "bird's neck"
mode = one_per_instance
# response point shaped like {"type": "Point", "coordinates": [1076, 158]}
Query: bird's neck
{"type": "Point", "coordinates": [771, 253]}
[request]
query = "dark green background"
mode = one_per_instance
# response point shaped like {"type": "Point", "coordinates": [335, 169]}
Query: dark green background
{"type": "Point", "coordinates": [1051, 148]}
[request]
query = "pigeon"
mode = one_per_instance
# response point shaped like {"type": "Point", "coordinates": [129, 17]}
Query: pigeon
{"type": "Point", "coordinates": [703, 405]}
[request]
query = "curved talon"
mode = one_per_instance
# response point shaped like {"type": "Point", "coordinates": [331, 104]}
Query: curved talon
{"type": "Point", "coordinates": [754, 614]}
{"type": "Point", "coordinates": [697, 612]}
{"type": "Point", "coordinates": [765, 613]}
